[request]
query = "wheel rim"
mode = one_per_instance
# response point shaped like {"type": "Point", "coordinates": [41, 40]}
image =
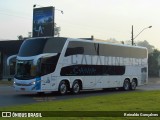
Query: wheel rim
{"type": "Point", "coordinates": [126, 85]}
{"type": "Point", "coordinates": [133, 85]}
{"type": "Point", "coordinates": [76, 88]}
{"type": "Point", "coordinates": [63, 89]}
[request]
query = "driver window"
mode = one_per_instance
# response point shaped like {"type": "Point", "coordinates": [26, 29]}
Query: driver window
{"type": "Point", "coordinates": [48, 64]}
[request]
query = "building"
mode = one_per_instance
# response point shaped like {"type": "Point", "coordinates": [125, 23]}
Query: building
{"type": "Point", "coordinates": [8, 48]}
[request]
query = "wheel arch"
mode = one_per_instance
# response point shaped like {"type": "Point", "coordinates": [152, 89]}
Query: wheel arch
{"type": "Point", "coordinates": [127, 79]}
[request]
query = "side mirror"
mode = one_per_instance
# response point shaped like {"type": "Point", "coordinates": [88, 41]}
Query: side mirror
{"type": "Point", "coordinates": [9, 58]}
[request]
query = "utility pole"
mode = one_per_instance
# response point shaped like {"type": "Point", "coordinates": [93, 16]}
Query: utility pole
{"type": "Point", "coordinates": [132, 39]}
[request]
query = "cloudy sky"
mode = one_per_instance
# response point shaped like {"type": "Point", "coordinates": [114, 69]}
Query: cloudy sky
{"type": "Point", "coordinates": [82, 18]}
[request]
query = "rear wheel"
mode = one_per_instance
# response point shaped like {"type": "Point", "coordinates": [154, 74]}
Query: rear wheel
{"type": "Point", "coordinates": [62, 88]}
{"type": "Point", "coordinates": [126, 85]}
{"type": "Point", "coordinates": [75, 87]}
{"type": "Point", "coordinates": [133, 84]}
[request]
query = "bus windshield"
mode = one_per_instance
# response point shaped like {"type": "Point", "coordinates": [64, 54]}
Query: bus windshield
{"type": "Point", "coordinates": [25, 69]}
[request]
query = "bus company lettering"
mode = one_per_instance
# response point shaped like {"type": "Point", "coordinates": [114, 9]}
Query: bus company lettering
{"type": "Point", "coordinates": [104, 60]}
{"type": "Point", "coordinates": [84, 70]}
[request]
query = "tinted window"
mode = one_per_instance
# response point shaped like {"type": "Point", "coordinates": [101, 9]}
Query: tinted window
{"type": "Point", "coordinates": [48, 64]}
{"type": "Point", "coordinates": [92, 70]}
{"type": "Point", "coordinates": [75, 50]}
{"type": "Point", "coordinates": [54, 45]}
{"type": "Point", "coordinates": [122, 51]}
{"type": "Point", "coordinates": [87, 48]}
{"type": "Point", "coordinates": [91, 48]}
{"type": "Point", "coordinates": [35, 46]}
{"type": "Point", "coordinates": [32, 47]}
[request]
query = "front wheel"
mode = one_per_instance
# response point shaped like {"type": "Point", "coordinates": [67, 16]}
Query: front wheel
{"type": "Point", "coordinates": [126, 85]}
{"type": "Point", "coordinates": [75, 87]}
{"type": "Point", "coordinates": [62, 88]}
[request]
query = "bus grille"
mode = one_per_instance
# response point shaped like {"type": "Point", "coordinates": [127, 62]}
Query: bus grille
{"type": "Point", "coordinates": [19, 84]}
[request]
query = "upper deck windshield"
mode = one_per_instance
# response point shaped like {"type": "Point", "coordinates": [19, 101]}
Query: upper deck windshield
{"type": "Point", "coordinates": [36, 46]}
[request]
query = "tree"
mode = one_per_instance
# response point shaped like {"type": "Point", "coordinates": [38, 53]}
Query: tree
{"type": "Point", "coordinates": [112, 40]}
{"type": "Point", "coordinates": [147, 45]}
{"type": "Point", "coordinates": [20, 37]}
{"type": "Point", "coordinates": [153, 66]}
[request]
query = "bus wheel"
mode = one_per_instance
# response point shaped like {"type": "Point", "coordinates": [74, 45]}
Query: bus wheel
{"type": "Point", "coordinates": [40, 93]}
{"type": "Point", "coordinates": [133, 84]}
{"type": "Point", "coordinates": [126, 85]}
{"type": "Point", "coordinates": [75, 87]}
{"type": "Point", "coordinates": [62, 88]}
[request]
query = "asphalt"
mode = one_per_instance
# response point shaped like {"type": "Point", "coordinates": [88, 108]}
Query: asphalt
{"type": "Point", "coordinates": [9, 97]}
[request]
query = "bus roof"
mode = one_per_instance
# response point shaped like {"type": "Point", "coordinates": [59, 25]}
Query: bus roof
{"type": "Point", "coordinates": [105, 42]}
{"type": "Point", "coordinates": [93, 41]}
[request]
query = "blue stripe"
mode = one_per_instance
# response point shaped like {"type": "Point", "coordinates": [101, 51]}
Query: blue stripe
{"type": "Point", "coordinates": [38, 83]}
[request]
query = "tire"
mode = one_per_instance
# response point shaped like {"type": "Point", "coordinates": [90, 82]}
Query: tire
{"type": "Point", "coordinates": [40, 93]}
{"type": "Point", "coordinates": [75, 87]}
{"type": "Point", "coordinates": [126, 85]}
{"type": "Point", "coordinates": [62, 89]}
{"type": "Point", "coordinates": [133, 85]}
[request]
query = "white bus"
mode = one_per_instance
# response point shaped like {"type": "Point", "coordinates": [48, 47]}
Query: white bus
{"type": "Point", "coordinates": [66, 64]}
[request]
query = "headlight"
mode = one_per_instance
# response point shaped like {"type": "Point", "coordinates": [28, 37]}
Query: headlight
{"type": "Point", "coordinates": [32, 83]}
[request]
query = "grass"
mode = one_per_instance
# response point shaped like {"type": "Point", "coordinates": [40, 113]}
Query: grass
{"type": "Point", "coordinates": [130, 101]}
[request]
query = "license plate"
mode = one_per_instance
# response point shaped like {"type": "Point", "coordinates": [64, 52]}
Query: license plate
{"type": "Point", "coordinates": [23, 89]}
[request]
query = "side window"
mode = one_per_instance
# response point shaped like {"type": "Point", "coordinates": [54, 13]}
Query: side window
{"type": "Point", "coordinates": [48, 65]}
{"type": "Point", "coordinates": [82, 47]}
{"type": "Point", "coordinates": [92, 70]}
{"type": "Point", "coordinates": [73, 51]}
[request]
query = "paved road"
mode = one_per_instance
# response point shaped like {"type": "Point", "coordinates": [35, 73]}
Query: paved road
{"type": "Point", "coordinates": [8, 97]}
{"type": "Point", "coordinates": [153, 84]}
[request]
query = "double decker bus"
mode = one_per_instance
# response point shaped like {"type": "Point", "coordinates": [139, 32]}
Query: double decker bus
{"type": "Point", "coordinates": [65, 64]}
